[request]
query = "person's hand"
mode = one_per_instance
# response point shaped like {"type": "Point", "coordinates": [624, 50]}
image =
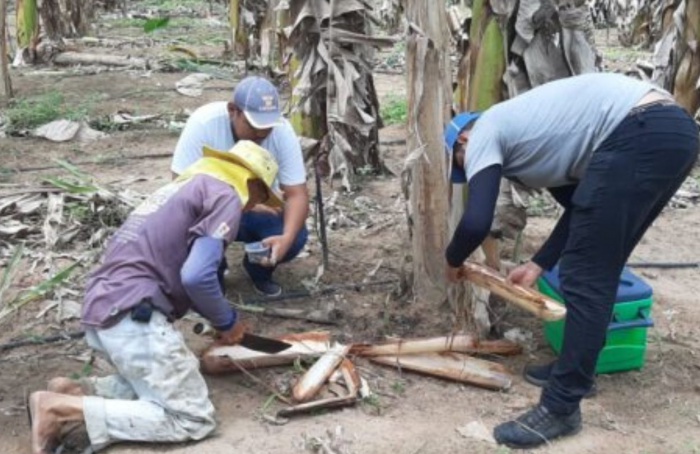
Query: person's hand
{"type": "Point", "coordinates": [234, 335]}
{"type": "Point", "coordinates": [525, 274]}
{"type": "Point", "coordinates": [453, 274]}
{"type": "Point", "coordinates": [279, 245]}
{"type": "Point", "coordinates": [262, 208]}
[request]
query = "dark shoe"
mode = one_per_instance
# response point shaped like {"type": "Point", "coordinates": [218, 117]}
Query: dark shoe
{"type": "Point", "coordinates": [536, 427]}
{"type": "Point", "coordinates": [268, 288]}
{"type": "Point", "coordinates": [538, 375]}
{"type": "Point", "coordinates": [265, 287]}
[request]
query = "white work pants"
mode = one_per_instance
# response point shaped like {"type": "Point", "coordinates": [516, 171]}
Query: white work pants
{"type": "Point", "coordinates": [158, 393]}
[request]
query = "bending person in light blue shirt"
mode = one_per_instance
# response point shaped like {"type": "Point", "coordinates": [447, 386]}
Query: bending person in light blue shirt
{"type": "Point", "coordinates": [612, 151]}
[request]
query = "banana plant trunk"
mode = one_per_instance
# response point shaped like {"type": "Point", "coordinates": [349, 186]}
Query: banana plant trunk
{"type": "Point", "coordinates": [66, 18]}
{"type": "Point", "coordinates": [333, 96]}
{"type": "Point", "coordinates": [6, 87]}
{"type": "Point", "coordinates": [677, 57]}
{"type": "Point", "coordinates": [27, 27]}
{"type": "Point", "coordinates": [239, 38]}
{"type": "Point", "coordinates": [427, 60]}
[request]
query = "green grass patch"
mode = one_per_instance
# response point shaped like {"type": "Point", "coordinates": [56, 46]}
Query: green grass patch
{"type": "Point", "coordinates": [165, 5]}
{"type": "Point", "coordinates": [32, 112]}
{"type": "Point", "coordinates": [394, 110]}
{"type": "Point", "coordinates": [161, 25]}
{"type": "Point", "coordinates": [126, 22]}
{"type": "Point", "coordinates": [625, 53]}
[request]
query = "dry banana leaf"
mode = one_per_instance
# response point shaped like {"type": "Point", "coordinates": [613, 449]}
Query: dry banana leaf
{"type": "Point", "coordinates": [453, 366]}
{"type": "Point", "coordinates": [222, 359]}
{"type": "Point", "coordinates": [462, 343]}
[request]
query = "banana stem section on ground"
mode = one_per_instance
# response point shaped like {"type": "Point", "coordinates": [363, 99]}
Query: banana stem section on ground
{"type": "Point", "coordinates": [528, 299]}
{"type": "Point", "coordinates": [460, 343]}
{"type": "Point", "coordinates": [453, 366]}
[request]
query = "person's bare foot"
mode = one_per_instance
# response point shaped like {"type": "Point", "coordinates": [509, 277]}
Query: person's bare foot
{"type": "Point", "coordinates": [64, 385]}
{"type": "Point", "coordinates": [45, 425]}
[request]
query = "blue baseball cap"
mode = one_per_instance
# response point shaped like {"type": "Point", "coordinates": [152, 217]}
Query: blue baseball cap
{"type": "Point", "coordinates": [458, 123]}
{"type": "Point", "coordinates": [259, 101]}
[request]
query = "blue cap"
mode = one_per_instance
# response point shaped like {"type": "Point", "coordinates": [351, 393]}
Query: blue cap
{"type": "Point", "coordinates": [259, 101]}
{"type": "Point", "coordinates": [458, 123]}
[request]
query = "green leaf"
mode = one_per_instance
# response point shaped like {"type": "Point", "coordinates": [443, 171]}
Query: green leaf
{"type": "Point", "coordinates": [10, 270]}
{"type": "Point", "coordinates": [154, 24]}
{"type": "Point", "coordinates": [72, 169]}
{"type": "Point", "coordinates": [71, 187]}
{"type": "Point", "coordinates": [38, 291]}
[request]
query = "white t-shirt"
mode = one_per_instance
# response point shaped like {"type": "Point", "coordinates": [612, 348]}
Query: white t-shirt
{"type": "Point", "coordinates": [210, 125]}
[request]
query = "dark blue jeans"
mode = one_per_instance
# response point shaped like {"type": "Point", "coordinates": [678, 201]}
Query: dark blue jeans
{"type": "Point", "coordinates": [631, 177]}
{"type": "Point", "coordinates": [258, 226]}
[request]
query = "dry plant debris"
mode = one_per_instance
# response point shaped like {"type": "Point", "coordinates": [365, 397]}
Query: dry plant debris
{"type": "Point", "coordinates": [333, 381]}
{"type": "Point", "coordinates": [56, 228]}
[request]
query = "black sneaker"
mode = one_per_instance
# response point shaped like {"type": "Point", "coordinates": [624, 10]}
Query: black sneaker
{"type": "Point", "coordinates": [538, 375]}
{"type": "Point", "coordinates": [268, 287]}
{"type": "Point", "coordinates": [536, 427]}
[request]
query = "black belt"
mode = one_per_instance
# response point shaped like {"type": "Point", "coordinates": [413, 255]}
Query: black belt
{"type": "Point", "coordinates": [658, 102]}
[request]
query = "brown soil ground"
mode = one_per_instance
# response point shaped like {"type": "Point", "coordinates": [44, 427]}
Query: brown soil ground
{"type": "Point", "coordinates": [654, 410]}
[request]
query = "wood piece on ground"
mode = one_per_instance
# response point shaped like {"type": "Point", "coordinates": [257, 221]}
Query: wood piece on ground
{"type": "Point", "coordinates": [528, 299]}
{"type": "Point", "coordinates": [453, 366]}
{"type": "Point", "coordinates": [312, 381]}
{"type": "Point", "coordinates": [222, 359]}
{"type": "Point", "coordinates": [462, 343]}
{"type": "Point", "coordinates": [351, 377]}
{"type": "Point", "coordinates": [79, 58]}
{"type": "Point", "coordinates": [365, 391]}
{"type": "Point", "coordinates": [333, 402]}
{"type": "Point", "coordinates": [324, 317]}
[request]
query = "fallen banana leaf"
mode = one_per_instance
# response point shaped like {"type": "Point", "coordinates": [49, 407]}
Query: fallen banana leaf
{"type": "Point", "coordinates": [333, 402]}
{"type": "Point", "coordinates": [312, 381]}
{"type": "Point", "coordinates": [184, 50]}
{"type": "Point", "coordinates": [38, 291]}
{"type": "Point", "coordinates": [453, 366]}
{"type": "Point", "coordinates": [528, 299]}
{"type": "Point", "coordinates": [10, 269]}
{"type": "Point", "coordinates": [222, 359]}
{"type": "Point", "coordinates": [77, 58]}
{"type": "Point", "coordinates": [463, 343]}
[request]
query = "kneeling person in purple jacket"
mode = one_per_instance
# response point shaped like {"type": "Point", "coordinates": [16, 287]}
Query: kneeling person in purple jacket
{"type": "Point", "coordinates": [161, 263]}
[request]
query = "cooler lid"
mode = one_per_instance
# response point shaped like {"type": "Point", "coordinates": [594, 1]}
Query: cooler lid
{"type": "Point", "coordinates": [631, 288]}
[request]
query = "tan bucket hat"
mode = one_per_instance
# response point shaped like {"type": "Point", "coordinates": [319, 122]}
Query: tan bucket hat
{"type": "Point", "coordinates": [255, 158]}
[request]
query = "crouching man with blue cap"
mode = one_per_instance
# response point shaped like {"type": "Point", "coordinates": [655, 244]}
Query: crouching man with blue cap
{"type": "Point", "coordinates": [612, 151]}
{"type": "Point", "coordinates": [254, 114]}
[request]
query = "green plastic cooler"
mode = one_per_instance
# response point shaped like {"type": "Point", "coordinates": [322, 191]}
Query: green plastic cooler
{"type": "Point", "coordinates": [626, 343]}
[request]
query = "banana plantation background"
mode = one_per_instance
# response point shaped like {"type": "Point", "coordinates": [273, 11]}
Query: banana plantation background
{"type": "Point", "coordinates": [94, 95]}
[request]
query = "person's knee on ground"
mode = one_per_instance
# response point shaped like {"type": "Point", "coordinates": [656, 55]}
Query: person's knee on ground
{"type": "Point", "coordinates": [65, 385]}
